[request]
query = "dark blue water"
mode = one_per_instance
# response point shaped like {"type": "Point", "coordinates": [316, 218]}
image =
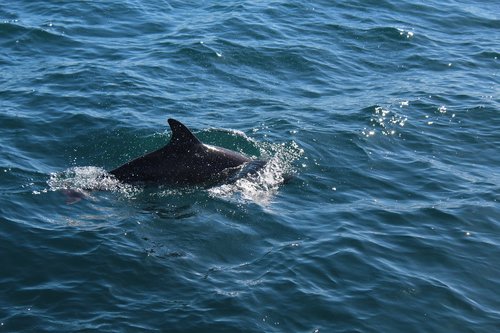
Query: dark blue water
{"type": "Point", "coordinates": [387, 113]}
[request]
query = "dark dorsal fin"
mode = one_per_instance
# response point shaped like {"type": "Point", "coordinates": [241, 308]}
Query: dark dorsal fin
{"type": "Point", "coordinates": [181, 135]}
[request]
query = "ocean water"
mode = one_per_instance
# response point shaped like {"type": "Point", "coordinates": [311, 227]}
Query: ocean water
{"type": "Point", "coordinates": [386, 114]}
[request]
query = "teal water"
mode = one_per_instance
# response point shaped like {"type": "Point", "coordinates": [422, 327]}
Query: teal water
{"type": "Point", "coordinates": [387, 114]}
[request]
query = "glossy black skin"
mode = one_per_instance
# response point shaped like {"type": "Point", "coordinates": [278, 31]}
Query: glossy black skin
{"type": "Point", "coordinates": [183, 161]}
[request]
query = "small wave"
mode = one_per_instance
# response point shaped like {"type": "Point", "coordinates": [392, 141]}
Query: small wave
{"type": "Point", "coordinates": [388, 34]}
{"type": "Point", "coordinates": [15, 32]}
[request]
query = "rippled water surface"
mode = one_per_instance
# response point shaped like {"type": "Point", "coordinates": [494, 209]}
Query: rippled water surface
{"type": "Point", "coordinates": [378, 210]}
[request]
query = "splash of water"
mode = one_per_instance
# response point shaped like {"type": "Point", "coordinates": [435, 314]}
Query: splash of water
{"type": "Point", "coordinates": [88, 178]}
{"type": "Point", "coordinates": [261, 186]}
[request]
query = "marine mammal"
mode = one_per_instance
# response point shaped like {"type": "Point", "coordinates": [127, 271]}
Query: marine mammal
{"type": "Point", "coordinates": [185, 160]}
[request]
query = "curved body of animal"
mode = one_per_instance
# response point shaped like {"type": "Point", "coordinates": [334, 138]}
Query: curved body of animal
{"type": "Point", "coordinates": [185, 160]}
